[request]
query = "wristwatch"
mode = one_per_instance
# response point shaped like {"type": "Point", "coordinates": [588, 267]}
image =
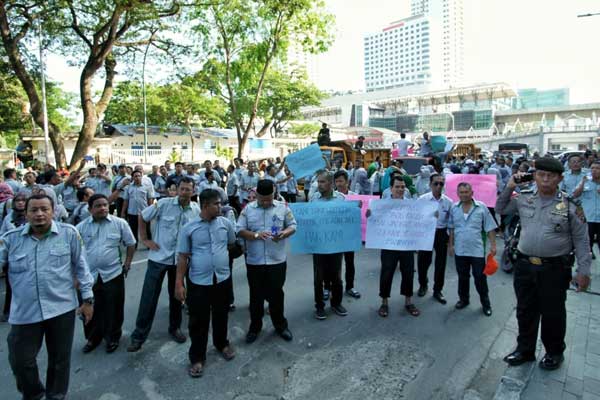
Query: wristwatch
{"type": "Point", "coordinates": [89, 300]}
{"type": "Point", "coordinates": [256, 235]}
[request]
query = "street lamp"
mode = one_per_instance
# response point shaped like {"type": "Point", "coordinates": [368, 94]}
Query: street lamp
{"type": "Point", "coordinates": [587, 15]}
{"type": "Point", "coordinates": [145, 106]}
{"type": "Point", "coordinates": [44, 104]}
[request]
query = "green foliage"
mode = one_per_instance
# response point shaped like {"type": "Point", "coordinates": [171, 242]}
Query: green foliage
{"type": "Point", "coordinates": [246, 38]}
{"type": "Point", "coordinates": [304, 130]}
{"type": "Point", "coordinates": [224, 152]}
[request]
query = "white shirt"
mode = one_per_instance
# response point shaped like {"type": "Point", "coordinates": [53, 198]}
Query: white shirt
{"type": "Point", "coordinates": [402, 145]}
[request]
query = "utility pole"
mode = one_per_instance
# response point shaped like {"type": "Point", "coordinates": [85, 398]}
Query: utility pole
{"type": "Point", "coordinates": [44, 104]}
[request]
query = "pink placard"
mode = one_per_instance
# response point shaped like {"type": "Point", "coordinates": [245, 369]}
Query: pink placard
{"type": "Point", "coordinates": [395, 153]}
{"type": "Point", "coordinates": [484, 187]}
{"type": "Point", "coordinates": [363, 212]}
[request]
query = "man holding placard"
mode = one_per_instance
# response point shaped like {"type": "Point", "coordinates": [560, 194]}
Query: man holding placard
{"type": "Point", "coordinates": [390, 260]}
{"type": "Point", "coordinates": [470, 218]}
{"type": "Point", "coordinates": [327, 267]}
{"type": "Point", "coordinates": [440, 244]}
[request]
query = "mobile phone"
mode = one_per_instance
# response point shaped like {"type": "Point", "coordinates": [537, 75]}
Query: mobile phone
{"type": "Point", "coordinates": [524, 178]}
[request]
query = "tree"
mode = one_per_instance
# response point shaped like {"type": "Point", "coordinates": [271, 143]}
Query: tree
{"type": "Point", "coordinates": [185, 103]}
{"type": "Point", "coordinates": [304, 130]}
{"type": "Point", "coordinates": [87, 32]}
{"type": "Point", "coordinates": [247, 36]}
{"type": "Point", "coordinates": [284, 95]}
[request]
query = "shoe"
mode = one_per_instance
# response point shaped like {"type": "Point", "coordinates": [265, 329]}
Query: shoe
{"type": "Point", "coordinates": [439, 297]}
{"type": "Point", "coordinates": [178, 336]}
{"type": "Point", "coordinates": [353, 293]}
{"type": "Point", "coordinates": [134, 346]}
{"type": "Point", "coordinates": [111, 347]}
{"type": "Point", "coordinates": [325, 294]}
{"type": "Point", "coordinates": [320, 314]}
{"type": "Point", "coordinates": [461, 304]}
{"type": "Point", "coordinates": [285, 335]}
{"type": "Point", "coordinates": [340, 310]}
{"type": "Point", "coordinates": [517, 358]}
{"type": "Point", "coordinates": [487, 311]}
{"type": "Point", "coordinates": [422, 291]}
{"type": "Point", "coordinates": [251, 337]}
{"type": "Point", "coordinates": [228, 353]}
{"type": "Point", "coordinates": [89, 347]}
{"type": "Point", "coordinates": [551, 362]}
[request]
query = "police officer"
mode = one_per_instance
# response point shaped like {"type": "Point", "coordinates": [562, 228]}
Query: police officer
{"type": "Point", "coordinates": [551, 228]}
{"type": "Point", "coordinates": [102, 236]}
{"type": "Point", "coordinates": [168, 217]}
{"type": "Point", "coordinates": [265, 224]}
{"type": "Point", "coordinates": [45, 261]}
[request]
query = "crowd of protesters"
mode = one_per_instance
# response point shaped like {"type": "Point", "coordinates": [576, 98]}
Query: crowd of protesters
{"type": "Point", "coordinates": [195, 220]}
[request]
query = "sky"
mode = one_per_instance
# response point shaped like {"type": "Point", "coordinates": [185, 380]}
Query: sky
{"type": "Point", "coordinates": [525, 43]}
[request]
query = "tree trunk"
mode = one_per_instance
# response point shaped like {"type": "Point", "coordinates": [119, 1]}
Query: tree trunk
{"type": "Point", "coordinates": [11, 45]}
{"type": "Point", "coordinates": [265, 128]}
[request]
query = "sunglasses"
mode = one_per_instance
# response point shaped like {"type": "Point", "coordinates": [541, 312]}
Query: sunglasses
{"type": "Point", "coordinates": [438, 183]}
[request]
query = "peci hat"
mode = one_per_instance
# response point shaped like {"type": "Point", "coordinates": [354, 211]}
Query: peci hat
{"type": "Point", "coordinates": [265, 187]}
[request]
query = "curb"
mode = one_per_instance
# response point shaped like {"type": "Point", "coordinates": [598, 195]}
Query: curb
{"type": "Point", "coordinates": [514, 381]}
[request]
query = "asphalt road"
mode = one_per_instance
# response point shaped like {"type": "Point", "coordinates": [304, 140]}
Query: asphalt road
{"type": "Point", "coordinates": [361, 356]}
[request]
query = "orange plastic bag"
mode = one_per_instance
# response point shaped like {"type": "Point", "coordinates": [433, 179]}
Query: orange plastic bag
{"type": "Point", "coordinates": [491, 265]}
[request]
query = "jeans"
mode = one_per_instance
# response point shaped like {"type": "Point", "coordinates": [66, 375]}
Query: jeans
{"type": "Point", "coordinates": [205, 302]}
{"type": "Point", "coordinates": [328, 268]}
{"type": "Point", "coordinates": [440, 245]}
{"type": "Point", "coordinates": [24, 343]}
{"type": "Point", "coordinates": [155, 274]}
{"type": "Point", "coordinates": [389, 263]}
{"type": "Point", "coordinates": [541, 295]}
{"type": "Point", "coordinates": [464, 265]}
{"type": "Point", "coordinates": [266, 283]}
{"type": "Point", "coordinates": [109, 303]}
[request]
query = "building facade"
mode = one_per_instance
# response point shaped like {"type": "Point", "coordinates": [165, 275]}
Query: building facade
{"type": "Point", "coordinates": [449, 16]}
{"type": "Point", "coordinates": [403, 54]}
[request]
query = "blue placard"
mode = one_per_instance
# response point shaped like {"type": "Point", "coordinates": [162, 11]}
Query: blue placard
{"type": "Point", "coordinates": [306, 161]}
{"type": "Point", "coordinates": [326, 227]}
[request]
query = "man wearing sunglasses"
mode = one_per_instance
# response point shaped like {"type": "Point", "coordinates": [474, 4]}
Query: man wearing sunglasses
{"type": "Point", "coordinates": [440, 243]}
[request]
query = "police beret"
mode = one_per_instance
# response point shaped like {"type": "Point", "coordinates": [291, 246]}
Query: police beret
{"type": "Point", "coordinates": [549, 164]}
{"type": "Point", "coordinates": [265, 187]}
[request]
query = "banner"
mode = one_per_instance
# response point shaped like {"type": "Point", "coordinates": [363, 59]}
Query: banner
{"type": "Point", "coordinates": [326, 227]}
{"type": "Point", "coordinates": [401, 225]}
{"type": "Point", "coordinates": [305, 162]}
{"type": "Point", "coordinates": [484, 187]}
{"type": "Point", "coordinates": [366, 199]}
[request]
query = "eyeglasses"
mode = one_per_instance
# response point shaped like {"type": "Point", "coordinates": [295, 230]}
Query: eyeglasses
{"type": "Point", "coordinates": [438, 183]}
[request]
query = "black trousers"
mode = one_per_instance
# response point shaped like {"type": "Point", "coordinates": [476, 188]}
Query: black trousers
{"type": "Point", "coordinates": [266, 283]}
{"type": "Point", "coordinates": [234, 201]}
{"type": "Point", "coordinates": [440, 245]}
{"type": "Point", "coordinates": [541, 295]}
{"type": "Point", "coordinates": [292, 197]}
{"type": "Point", "coordinates": [389, 263]}
{"type": "Point", "coordinates": [464, 266]}
{"type": "Point", "coordinates": [24, 343]}
{"type": "Point", "coordinates": [206, 303]}
{"type": "Point", "coordinates": [7, 295]}
{"type": "Point", "coordinates": [350, 272]}
{"type": "Point", "coordinates": [116, 206]}
{"type": "Point", "coordinates": [155, 275]}
{"type": "Point", "coordinates": [594, 232]}
{"type": "Point", "coordinates": [328, 268]}
{"type": "Point", "coordinates": [109, 304]}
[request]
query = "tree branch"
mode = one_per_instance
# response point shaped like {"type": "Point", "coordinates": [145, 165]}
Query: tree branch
{"type": "Point", "coordinates": [109, 66]}
{"type": "Point", "coordinates": [75, 26]}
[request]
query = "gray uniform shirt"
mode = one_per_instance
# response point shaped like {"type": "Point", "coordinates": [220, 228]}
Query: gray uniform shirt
{"type": "Point", "coordinates": [548, 230]}
{"type": "Point", "coordinates": [42, 272]}
{"type": "Point", "coordinates": [258, 219]}
{"type": "Point", "coordinates": [137, 198]}
{"type": "Point", "coordinates": [168, 218]}
{"type": "Point", "coordinates": [102, 241]}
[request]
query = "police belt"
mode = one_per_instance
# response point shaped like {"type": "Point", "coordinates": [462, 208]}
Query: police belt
{"type": "Point", "coordinates": [558, 260]}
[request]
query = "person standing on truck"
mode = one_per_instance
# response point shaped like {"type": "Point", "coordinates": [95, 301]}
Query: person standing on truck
{"type": "Point", "coordinates": [403, 145]}
{"type": "Point", "coordinates": [324, 138]}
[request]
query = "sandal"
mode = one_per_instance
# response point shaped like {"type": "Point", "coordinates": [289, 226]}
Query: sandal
{"type": "Point", "coordinates": [412, 310]}
{"type": "Point", "coordinates": [383, 310]}
{"type": "Point", "coordinates": [196, 370]}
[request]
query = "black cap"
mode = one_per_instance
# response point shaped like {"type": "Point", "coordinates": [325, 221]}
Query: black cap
{"type": "Point", "coordinates": [265, 187]}
{"type": "Point", "coordinates": [549, 164]}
